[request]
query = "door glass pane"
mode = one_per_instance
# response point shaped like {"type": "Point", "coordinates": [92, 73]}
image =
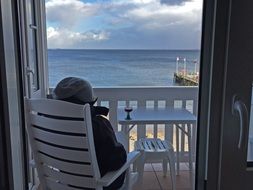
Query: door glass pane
{"type": "Point", "coordinates": [33, 52]}
{"type": "Point", "coordinates": [250, 143]}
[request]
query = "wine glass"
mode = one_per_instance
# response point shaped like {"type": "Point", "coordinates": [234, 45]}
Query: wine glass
{"type": "Point", "coordinates": [128, 109]}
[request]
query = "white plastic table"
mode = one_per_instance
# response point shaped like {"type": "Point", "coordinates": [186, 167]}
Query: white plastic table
{"type": "Point", "coordinates": [168, 115]}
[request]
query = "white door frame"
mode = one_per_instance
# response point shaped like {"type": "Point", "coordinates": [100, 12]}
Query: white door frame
{"type": "Point", "coordinates": [41, 53]}
{"type": "Point", "coordinates": [41, 47]}
{"type": "Point", "coordinates": [214, 39]}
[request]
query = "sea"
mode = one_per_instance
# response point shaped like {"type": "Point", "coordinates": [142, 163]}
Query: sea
{"type": "Point", "coordinates": [104, 68]}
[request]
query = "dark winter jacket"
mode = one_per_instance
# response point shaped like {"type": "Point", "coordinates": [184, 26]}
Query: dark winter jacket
{"type": "Point", "coordinates": [111, 155]}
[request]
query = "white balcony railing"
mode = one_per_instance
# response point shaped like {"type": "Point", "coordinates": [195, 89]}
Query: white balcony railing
{"type": "Point", "coordinates": [114, 97]}
{"type": "Point", "coordinates": [186, 97]}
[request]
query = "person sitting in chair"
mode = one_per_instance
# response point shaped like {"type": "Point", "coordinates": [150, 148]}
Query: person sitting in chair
{"type": "Point", "coordinates": [111, 155]}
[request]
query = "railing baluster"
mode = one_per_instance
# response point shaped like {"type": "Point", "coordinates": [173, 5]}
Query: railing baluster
{"type": "Point", "coordinates": [169, 127]}
{"type": "Point", "coordinates": [182, 134]}
{"type": "Point", "coordinates": [125, 129]}
{"type": "Point", "coordinates": [113, 105]}
{"type": "Point", "coordinates": [141, 129]}
{"type": "Point", "coordinates": [194, 128]}
{"type": "Point", "coordinates": [177, 150]}
{"type": "Point", "coordinates": [155, 126]}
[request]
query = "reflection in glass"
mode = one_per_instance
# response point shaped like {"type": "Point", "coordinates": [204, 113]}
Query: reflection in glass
{"type": "Point", "coordinates": [250, 144]}
{"type": "Point", "coordinates": [33, 51]}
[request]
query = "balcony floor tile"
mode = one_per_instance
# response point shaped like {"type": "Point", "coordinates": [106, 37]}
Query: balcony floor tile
{"type": "Point", "coordinates": [154, 179]}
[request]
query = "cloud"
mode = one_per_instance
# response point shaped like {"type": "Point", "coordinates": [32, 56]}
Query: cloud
{"type": "Point", "coordinates": [67, 13]}
{"type": "Point", "coordinates": [125, 23]}
{"type": "Point", "coordinates": [158, 16]}
{"type": "Point", "coordinates": [62, 38]}
{"type": "Point", "coordinates": [133, 38]}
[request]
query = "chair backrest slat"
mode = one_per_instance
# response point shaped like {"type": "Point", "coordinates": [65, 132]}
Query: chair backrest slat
{"type": "Point", "coordinates": [69, 179]}
{"type": "Point", "coordinates": [78, 169]}
{"type": "Point", "coordinates": [146, 145]}
{"type": "Point", "coordinates": [68, 126]}
{"type": "Point", "coordinates": [61, 138]}
{"type": "Point", "coordinates": [57, 108]}
{"type": "Point", "coordinates": [58, 186]}
{"type": "Point", "coordinates": [161, 146]}
{"type": "Point", "coordinates": [63, 153]}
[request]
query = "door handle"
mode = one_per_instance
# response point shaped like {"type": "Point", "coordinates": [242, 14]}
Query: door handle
{"type": "Point", "coordinates": [30, 71]}
{"type": "Point", "coordinates": [32, 26]}
{"type": "Point", "coordinates": [238, 107]}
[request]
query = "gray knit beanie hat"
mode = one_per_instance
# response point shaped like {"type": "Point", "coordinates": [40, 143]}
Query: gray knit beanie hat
{"type": "Point", "coordinates": [73, 87]}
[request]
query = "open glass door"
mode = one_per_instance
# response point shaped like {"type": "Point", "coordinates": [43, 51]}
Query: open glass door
{"type": "Point", "coordinates": [32, 68]}
{"type": "Point", "coordinates": [225, 148]}
{"type": "Point", "coordinates": [35, 61]}
{"type": "Point", "coordinates": [36, 64]}
{"type": "Point", "coordinates": [235, 162]}
{"type": "Point", "coordinates": [234, 158]}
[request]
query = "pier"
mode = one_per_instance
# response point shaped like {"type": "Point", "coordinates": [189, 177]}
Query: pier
{"type": "Point", "coordinates": [185, 78]}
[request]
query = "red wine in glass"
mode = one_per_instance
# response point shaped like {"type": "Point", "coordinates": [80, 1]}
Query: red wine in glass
{"type": "Point", "coordinates": [128, 109]}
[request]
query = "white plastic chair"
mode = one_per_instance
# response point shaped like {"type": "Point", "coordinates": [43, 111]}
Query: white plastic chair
{"type": "Point", "coordinates": [63, 149]}
{"type": "Point", "coordinates": [155, 149]}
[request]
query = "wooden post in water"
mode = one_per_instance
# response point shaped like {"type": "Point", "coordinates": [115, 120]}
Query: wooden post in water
{"type": "Point", "coordinates": [195, 69]}
{"type": "Point", "coordinates": [184, 66]}
{"type": "Point", "coordinates": [177, 65]}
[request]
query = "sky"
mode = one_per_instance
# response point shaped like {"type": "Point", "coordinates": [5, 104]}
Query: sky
{"type": "Point", "coordinates": [124, 24]}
